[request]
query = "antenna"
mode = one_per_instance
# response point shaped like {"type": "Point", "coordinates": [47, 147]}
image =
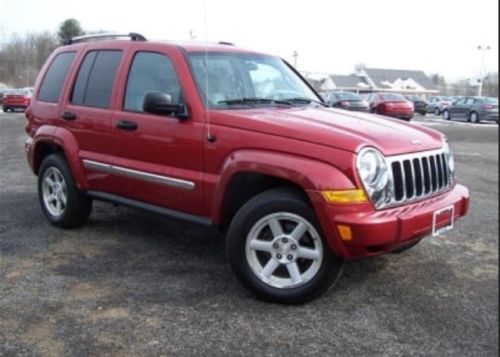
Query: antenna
{"type": "Point", "coordinates": [210, 136]}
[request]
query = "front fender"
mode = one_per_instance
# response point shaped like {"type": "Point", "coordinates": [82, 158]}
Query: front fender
{"type": "Point", "coordinates": [63, 139]}
{"type": "Point", "coordinates": [309, 174]}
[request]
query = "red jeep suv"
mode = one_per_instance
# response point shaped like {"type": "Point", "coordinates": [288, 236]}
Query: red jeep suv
{"type": "Point", "coordinates": [237, 140]}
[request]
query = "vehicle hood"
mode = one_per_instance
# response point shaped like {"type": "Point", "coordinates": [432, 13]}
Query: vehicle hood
{"type": "Point", "coordinates": [337, 128]}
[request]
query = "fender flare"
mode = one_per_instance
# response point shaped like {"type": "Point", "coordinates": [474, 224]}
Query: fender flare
{"type": "Point", "coordinates": [63, 138]}
{"type": "Point", "coordinates": [309, 174]}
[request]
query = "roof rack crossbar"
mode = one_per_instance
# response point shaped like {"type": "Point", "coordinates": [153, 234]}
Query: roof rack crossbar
{"type": "Point", "coordinates": [133, 37]}
{"type": "Point", "coordinates": [225, 43]}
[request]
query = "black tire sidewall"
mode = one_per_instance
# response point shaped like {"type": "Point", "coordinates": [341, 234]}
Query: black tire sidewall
{"type": "Point", "coordinates": [78, 206]}
{"type": "Point", "coordinates": [264, 204]}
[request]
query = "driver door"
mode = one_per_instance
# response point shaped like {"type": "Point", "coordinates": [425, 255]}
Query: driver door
{"type": "Point", "coordinates": [158, 158]}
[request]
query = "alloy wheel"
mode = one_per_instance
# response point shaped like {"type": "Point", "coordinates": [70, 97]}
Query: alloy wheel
{"type": "Point", "coordinates": [284, 250]}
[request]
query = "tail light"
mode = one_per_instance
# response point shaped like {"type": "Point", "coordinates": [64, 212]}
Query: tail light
{"type": "Point", "coordinates": [488, 106]}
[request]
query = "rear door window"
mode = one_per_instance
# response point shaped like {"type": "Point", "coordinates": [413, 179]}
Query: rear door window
{"type": "Point", "coordinates": [95, 79]}
{"type": "Point", "coordinates": [52, 83]}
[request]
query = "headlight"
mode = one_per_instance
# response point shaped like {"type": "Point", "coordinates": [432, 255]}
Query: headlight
{"type": "Point", "coordinates": [374, 174]}
{"type": "Point", "coordinates": [449, 158]}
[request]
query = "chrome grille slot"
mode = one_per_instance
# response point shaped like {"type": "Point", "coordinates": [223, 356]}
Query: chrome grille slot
{"type": "Point", "coordinates": [419, 175]}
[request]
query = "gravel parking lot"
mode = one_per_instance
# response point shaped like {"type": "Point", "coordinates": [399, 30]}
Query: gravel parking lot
{"type": "Point", "coordinates": [131, 283]}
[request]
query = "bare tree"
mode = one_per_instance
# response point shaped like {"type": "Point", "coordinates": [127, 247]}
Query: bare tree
{"type": "Point", "coordinates": [21, 57]}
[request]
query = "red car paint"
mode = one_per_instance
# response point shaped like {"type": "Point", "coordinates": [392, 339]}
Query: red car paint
{"type": "Point", "coordinates": [311, 148]}
{"type": "Point", "coordinates": [392, 105]}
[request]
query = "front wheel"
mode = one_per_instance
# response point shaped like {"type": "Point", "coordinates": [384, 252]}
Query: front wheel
{"type": "Point", "coordinates": [446, 115]}
{"type": "Point", "coordinates": [63, 204]}
{"type": "Point", "coordinates": [437, 112]}
{"type": "Point", "coordinates": [276, 249]}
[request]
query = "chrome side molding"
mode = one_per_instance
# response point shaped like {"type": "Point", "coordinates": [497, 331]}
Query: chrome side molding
{"type": "Point", "coordinates": [139, 175]}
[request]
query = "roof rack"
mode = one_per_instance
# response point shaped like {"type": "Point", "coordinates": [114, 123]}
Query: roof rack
{"type": "Point", "coordinates": [133, 37]}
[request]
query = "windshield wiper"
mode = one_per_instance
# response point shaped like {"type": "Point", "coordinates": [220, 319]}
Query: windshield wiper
{"type": "Point", "coordinates": [254, 101]}
{"type": "Point", "coordinates": [305, 100]}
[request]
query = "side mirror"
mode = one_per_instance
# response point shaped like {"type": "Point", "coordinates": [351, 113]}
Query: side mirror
{"type": "Point", "coordinates": [161, 103]}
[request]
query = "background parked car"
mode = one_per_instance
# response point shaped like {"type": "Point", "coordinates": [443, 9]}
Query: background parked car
{"type": "Point", "coordinates": [346, 100]}
{"type": "Point", "coordinates": [474, 109]}
{"type": "Point", "coordinates": [391, 104]}
{"type": "Point", "coordinates": [16, 99]}
{"type": "Point", "coordinates": [437, 104]}
{"type": "Point", "coordinates": [419, 104]}
{"type": "Point", "coordinates": [3, 91]}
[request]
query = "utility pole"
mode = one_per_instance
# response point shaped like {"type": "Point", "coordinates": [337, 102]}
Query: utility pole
{"type": "Point", "coordinates": [192, 36]}
{"type": "Point", "coordinates": [483, 50]}
{"type": "Point", "coordinates": [295, 55]}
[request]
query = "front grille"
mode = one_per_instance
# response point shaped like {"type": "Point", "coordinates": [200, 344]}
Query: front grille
{"type": "Point", "coordinates": [417, 176]}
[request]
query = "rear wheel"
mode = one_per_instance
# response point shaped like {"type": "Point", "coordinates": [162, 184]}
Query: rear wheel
{"type": "Point", "coordinates": [276, 249]}
{"type": "Point", "coordinates": [63, 204]}
{"type": "Point", "coordinates": [474, 117]}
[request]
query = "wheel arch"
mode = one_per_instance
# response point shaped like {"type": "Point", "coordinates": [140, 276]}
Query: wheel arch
{"type": "Point", "coordinates": [57, 140]}
{"type": "Point", "coordinates": [248, 173]}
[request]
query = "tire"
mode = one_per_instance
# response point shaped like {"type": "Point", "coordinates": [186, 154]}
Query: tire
{"type": "Point", "coordinates": [446, 115]}
{"type": "Point", "coordinates": [423, 114]}
{"type": "Point", "coordinates": [437, 112]}
{"type": "Point", "coordinates": [314, 272]}
{"type": "Point", "coordinates": [5, 109]}
{"type": "Point", "coordinates": [62, 203]}
{"type": "Point", "coordinates": [474, 118]}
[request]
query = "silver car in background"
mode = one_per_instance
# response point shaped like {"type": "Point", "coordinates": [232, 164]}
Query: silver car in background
{"type": "Point", "coordinates": [438, 104]}
{"type": "Point", "coordinates": [473, 109]}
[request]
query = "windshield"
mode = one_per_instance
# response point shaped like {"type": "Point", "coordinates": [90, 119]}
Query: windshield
{"type": "Point", "coordinates": [347, 96]}
{"type": "Point", "coordinates": [232, 78]}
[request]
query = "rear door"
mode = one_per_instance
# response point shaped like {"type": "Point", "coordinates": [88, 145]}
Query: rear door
{"type": "Point", "coordinates": [458, 108]}
{"type": "Point", "coordinates": [469, 106]}
{"type": "Point", "coordinates": [87, 110]}
{"type": "Point", "coordinates": [158, 158]}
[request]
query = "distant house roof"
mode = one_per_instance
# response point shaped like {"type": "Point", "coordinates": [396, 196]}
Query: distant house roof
{"type": "Point", "coordinates": [341, 81]}
{"type": "Point", "coordinates": [382, 78]}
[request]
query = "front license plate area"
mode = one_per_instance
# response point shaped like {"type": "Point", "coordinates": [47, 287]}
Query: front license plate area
{"type": "Point", "coordinates": [442, 220]}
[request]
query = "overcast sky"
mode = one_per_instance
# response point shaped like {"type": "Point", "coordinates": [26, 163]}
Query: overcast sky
{"type": "Point", "coordinates": [329, 36]}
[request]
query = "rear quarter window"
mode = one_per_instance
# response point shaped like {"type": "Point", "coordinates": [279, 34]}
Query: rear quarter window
{"type": "Point", "coordinates": [52, 83]}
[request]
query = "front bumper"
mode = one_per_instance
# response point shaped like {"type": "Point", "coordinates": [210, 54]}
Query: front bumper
{"type": "Point", "coordinates": [378, 232]}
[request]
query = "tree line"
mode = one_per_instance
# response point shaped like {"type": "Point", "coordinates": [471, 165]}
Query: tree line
{"type": "Point", "coordinates": [464, 87]}
{"type": "Point", "coordinates": [22, 57]}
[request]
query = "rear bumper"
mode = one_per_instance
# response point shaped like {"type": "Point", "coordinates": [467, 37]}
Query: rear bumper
{"type": "Point", "coordinates": [378, 232]}
{"type": "Point", "coordinates": [15, 105]}
{"type": "Point", "coordinates": [488, 116]}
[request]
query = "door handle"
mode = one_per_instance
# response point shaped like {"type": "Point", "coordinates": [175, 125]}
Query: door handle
{"type": "Point", "coordinates": [68, 116]}
{"type": "Point", "coordinates": [126, 125]}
